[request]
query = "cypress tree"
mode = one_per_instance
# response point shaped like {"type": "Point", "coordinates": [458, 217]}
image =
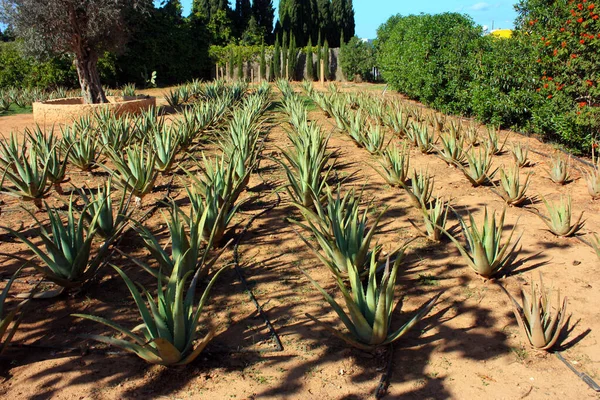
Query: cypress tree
{"type": "Point", "coordinates": [264, 12]}
{"type": "Point", "coordinates": [284, 51]}
{"type": "Point", "coordinates": [231, 65]}
{"type": "Point", "coordinates": [349, 23]}
{"type": "Point", "coordinates": [324, 18]}
{"type": "Point", "coordinates": [240, 68]}
{"type": "Point", "coordinates": [319, 58]}
{"type": "Point", "coordinates": [310, 73]}
{"type": "Point", "coordinates": [276, 72]}
{"type": "Point", "coordinates": [272, 69]}
{"type": "Point", "coordinates": [263, 64]}
{"type": "Point", "coordinates": [326, 59]}
{"type": "Point", "coordinates": [292, 59]}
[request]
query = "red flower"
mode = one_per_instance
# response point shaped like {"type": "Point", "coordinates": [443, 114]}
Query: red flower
{"type": "Point", "coordinates": [595, 16]}
{"type": "Point", "coordinates": [537, 90]}
{"type": "Point", "coordinates": [555, 53]}
{"type": "Point", "coordinates": [568, 21]}
{"type": "Point", "coordinates": [539, 60]}
{"type": "Point", "coordinates": [590, 83]}
{"type": "Point", "coordinates": [562, 29]}
{"type": "Point", "coordinates": [582, 41]}
{"type": "Point", "coordinates": [573, 55]}
{"type": "Point", "coordinates": [549, 78]}
{"type": "Point", "coordinates": [591, 6]}
{"type": "Point", "coordinates": [582, 104]}
{"type": "Point", "coordinates": [545, 86]}
{"type": "Point", "coordinates": [549, 96]}
{"type": "Point", "coordinates": [564, 44]}
{"type": "Point", "coordinates": [580, 20]}
{"type": "Point", "coordinates": [580, 6]}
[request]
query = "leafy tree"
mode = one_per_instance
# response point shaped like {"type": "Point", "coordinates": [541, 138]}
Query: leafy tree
{"type": "Point", "coordinates": [83, 28]}
{"type": "Point", "coordinates": [357, 58]}
{"type": "Point", "coordinates": [264, 13]}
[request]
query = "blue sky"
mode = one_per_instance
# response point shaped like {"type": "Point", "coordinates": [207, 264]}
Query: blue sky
{"type": "Point", "coordinates": [369, 14]}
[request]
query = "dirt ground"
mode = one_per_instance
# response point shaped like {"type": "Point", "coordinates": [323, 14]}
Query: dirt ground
{"type": "Point", "coordinates": [468, 347]}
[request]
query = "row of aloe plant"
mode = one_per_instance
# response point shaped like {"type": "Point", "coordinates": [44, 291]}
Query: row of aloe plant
{"type": "Point", "coordinates": [70, 255]}
{"type": "Point", "coordinates": [345, 245]}
{"type": "Point", "coordinates": [486, 251]}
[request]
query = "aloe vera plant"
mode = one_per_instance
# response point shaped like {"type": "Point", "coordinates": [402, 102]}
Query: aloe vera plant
{"type": "Point", "coordinates": [559, 170]}
{"type": "Point", "coordinates": [165, 146]}
{"type": "Point", "coordinates": [452, 149]}
{"type": "Point", "coordinates": [560, 216]}
{"type": "Point", "coordinates": [471, 135]}
{"type": "Point", "coordinates": [306, 167]}
{"type": "Point", "coordinates": [341, 231]}
{"type": "Point", "coordinates": [395, 165]}
{"type": "Point", "coordinates": [357, 128]}
{"type": "Point", "coordinates": [136, 172]}
{"type": "Point", "coordinates": [49, 149]}
{"type": "Point", "coordinates": [83, 145]}
{"type": "Point", "coordinates": [29, 173]}
{"type": "Point", "coordinates": [484, 252]}
{"type": "Point", "coordinates": [424, 139]}
{"type": "Point", "coordinates": [479, 167]}
{"type": "Point", "coordinates": [374, 140]}
{"type": "Point", "coordinates": [169, 322]}
{"type": "Point", "coordinates": [492, 142]}
{"type": "Point", "coordinates": [435, 216]}
{"type": "Point", "coordinates": [66, 255]}
{"type": "Point", "coordinates": [511, 189]}
{"type": "Point", "coordinates": [592, 178]}
{"type": "Point", "coordinates": [110, 221]}
{"type": "Point", "coordinates": [396, 120]}
{"type": "Point", "coordinates": [421, 188]}
{"type": "Point", "coordinates": [188, 251]}
{"type": "Point", "coordinates": [540, 322]}
{"type": "Point", "coordinates": [595, 244]}
{"type": "Point", "coordinates": [9, 322]}
{"type": "Point", "coordinates": [369, 316]}
{"type": "Point", "coordinates": [520, 154]}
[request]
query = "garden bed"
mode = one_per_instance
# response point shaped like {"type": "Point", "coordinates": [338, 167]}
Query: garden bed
{"type": "Point", "coordinates": [65, 111]}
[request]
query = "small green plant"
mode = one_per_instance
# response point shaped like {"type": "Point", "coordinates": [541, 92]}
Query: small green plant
{"type": "Point", "coordinates": [110, 222]}
{"type": "Point", "coordinates": [592, 178]}
{"type": "Point", "coordinates": [128, 90]}
{"type": "Point", "coordinates": [540, 322]}
{"type": "Point", "coordinates": [370, 308]}
{"type": "Point", "coordinates": [492, 142]}
{"type": "Point", "coordinates": [452, 150]}
{"type": "Point", "coordinates": [560, 216]}
{"type": "Point", "coordinates": [471, 135]}
{"type": "Point", "coordinates": [559, 170]}
{"type": "Point", "coordinates": [395, 165]}
{"type": "Point", "coordinates": [520, 154]}
{"type": "Point", "coordinates": [374, 140]}
{"type": "Point", "coordinates": [83, 144]}
{"type": "Point", "coordinates": [169, 323]}
{"type": "Point", "coordinates": [421, 188]}
{"type": "Point", "coordinates": [66, 250]}
{"type": "Point", "coordinates": [136, 172]}
{"type": "Point", "coordinates": [165, 144]}
{"type": "Point", "coordinates": [511, 189]}
{"type": "Point", "coordinates": [424, 139]}
{"type": "Point", "coordinates": [484, 252]}
{"type": "Point", "coordinates": [479, 167]}
{"type": "Point", "coordinates": [435, 216]}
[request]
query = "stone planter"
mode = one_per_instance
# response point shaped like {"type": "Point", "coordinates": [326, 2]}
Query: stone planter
{"type": "Point", "coordinates": [65, 111]}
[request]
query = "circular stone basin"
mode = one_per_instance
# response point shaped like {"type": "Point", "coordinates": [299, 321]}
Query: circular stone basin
{"type": "Point", "coordinates": [65, 111]}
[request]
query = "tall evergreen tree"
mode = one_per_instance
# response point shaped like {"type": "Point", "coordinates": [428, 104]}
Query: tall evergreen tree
{"type": "Point", "coordinates": [240, 68]}
{"type": "Point", "coordinates": [264, 12]}
{"type": "Point", "coordinates": [243, 12]}
{"type": "Point", "coordinates": [349, 25]}
{"type": "Point", "coordinates": [319, 57]}
{"type": "Point", "coordinates": [292, 59]}
{"type": "Point", "coordinates": [276, 70]}
{"type": "Point", "coordinates": [324, 19]}
{"type": "Point", "coordinates": [326, 60]}
{"type": "Point", "coordinates": [263, 64]}
{"type": "Point", "coordinates": [284, 54]}
{"type": "Point", "coordinates": [310, 73]}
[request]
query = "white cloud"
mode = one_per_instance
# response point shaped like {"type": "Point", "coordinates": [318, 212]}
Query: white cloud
{"type": "Point", "coordinates": [482, 6]}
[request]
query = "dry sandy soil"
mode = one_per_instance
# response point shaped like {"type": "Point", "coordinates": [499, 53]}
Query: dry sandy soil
{"type": "Point", "coordinates": [468, 347]}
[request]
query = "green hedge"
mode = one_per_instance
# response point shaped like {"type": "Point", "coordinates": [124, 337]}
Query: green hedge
{"type": "Point", "coordinates": [544, 79]}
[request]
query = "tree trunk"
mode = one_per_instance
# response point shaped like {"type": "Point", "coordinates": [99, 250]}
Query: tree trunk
{"type": "Point", "coordinates": [89, 78]}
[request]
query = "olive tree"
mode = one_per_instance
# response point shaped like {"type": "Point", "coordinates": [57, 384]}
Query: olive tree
{"type": "Point", "coordinates": [83, 28]}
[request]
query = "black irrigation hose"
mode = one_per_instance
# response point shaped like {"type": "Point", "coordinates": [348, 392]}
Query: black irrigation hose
{"type": "Point", "coordinates": [384, 382]}
{"type": "Point", "coordinates": [240, 274]}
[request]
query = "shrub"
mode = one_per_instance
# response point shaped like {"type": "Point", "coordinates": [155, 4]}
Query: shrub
{"type": "Point", "coordinates": [357, 59]}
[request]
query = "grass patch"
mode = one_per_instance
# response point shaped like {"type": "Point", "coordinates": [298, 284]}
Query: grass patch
{"type": "Point", "coordinates": [15, 110]}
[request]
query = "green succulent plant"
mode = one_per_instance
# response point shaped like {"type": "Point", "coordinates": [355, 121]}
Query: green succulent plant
{"type": "Point", "coordinates": [560, 217]}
